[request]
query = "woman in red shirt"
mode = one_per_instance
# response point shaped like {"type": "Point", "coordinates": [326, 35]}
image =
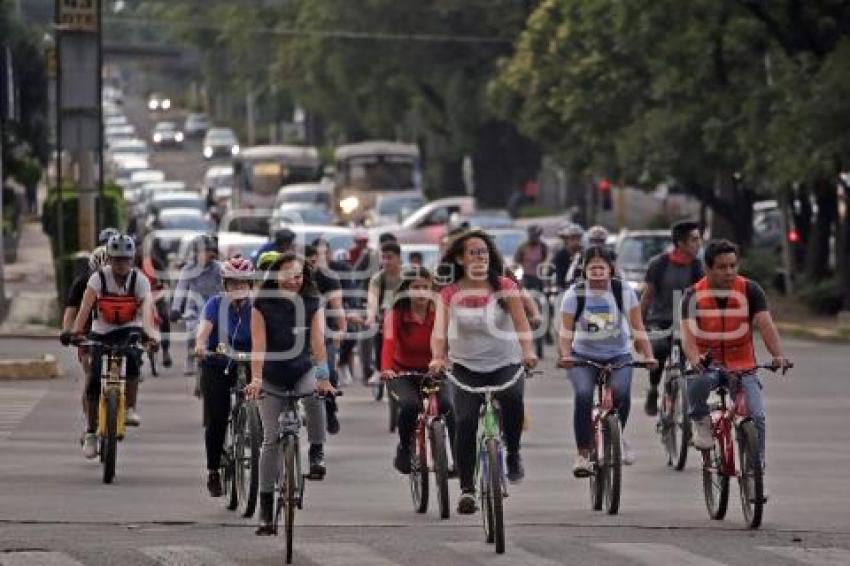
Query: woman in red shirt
{"type": "Point", "coordinates": [407, 347]}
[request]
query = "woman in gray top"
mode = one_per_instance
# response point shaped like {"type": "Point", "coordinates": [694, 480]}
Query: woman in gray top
{"type": "Point", "coordinates": [481, 329]}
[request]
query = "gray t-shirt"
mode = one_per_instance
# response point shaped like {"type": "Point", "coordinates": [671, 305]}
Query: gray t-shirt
{"type": "Point", "coordinates": [601, 333]}
{"type": "Point", "coordinates": [142, 290]}
{"type": "Point", "coordinates": [669, 281]}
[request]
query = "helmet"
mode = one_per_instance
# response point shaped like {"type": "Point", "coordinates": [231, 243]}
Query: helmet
{"type": "Point", "coordinates": [535, 230]}
{"type": "Point", "coordinates": [105, 234]}
{"type": "Point", "coordinates": [98, 258]}
{"type": "Point", "coordinates": [341, 255]}
{"type": "Point", "coordinates": [237, 268]}
{"type": "Point", "coordinates": [121, 246]}
{"type": "Point", "coordinates": [283, 236]}
{"type": "Point", "coordinates": [267, 259]}
{"type": "Point", "coordinates": [571, 230]}
{"type": "Point", "coordinates": [596, 235]}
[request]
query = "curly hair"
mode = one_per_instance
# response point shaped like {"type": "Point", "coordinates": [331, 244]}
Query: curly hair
{"type": "Point", "coordinates": [308, 286]}
{"type": "Point", "coordinates": [456, 248]}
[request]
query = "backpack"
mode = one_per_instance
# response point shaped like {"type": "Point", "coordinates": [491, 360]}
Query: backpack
{"type": "Point", "coordinates": [665, 262]}
{"type": "Point", "coordinates": [616, 289]}
{"type": "Point", "coordinates": [117, 309]}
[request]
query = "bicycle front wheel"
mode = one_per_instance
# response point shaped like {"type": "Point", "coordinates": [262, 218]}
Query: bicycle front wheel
{"type": "Point", "coordinates": [419, 470]}
{"type": "Point", "coordinates": [597, 460]}
{"type": "Point", "coordinates": [110, 437]}
{"type": "Point", "coordinates": [290, 494]}
{"type": "Point", "coordinates": [228, 464]}
{"type": "Point", "coordinates": [715, 480]}
{"type": "Point", "coordinates": [750, 476]}
{"type": "Point", "coordinates": [612, 466]}
{"type": "Point", "coordinates": [248, 442]}
{"type": "Point", "coordinates": [495, 493]}
{"type": "Point", "coordinates": [441, 466]}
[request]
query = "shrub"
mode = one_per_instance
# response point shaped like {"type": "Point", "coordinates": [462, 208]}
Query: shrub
{"type": "Point", "coordinates": [823, 297]}
{"type": "Point", "coordinates": [761, 266]}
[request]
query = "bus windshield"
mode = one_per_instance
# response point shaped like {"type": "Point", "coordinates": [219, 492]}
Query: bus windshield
{"type": "Point", "coordinates": [266, 176]}
{"type": "Point", "coordinates": [381, 173]}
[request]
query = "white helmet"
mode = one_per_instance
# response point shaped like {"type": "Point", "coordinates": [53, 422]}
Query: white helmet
{"type": "Point", "coordinates": [571, 230]}
{"type": "Point", "coordinates": [121, 246]}
{"type": "Point", "coordinates": [596, 235]}
{"type": "Point", "coordinates": [98, 258]}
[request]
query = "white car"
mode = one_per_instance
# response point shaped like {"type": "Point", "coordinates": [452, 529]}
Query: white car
{"type": "Point", "coordinates": [128, 149]}
{"type": "Point", "coordinates": [231, 244]}
{"type": "Point", "coordinates": [158, 102]}
{"type": "Point", "coordinates": [317, 194]}
{"type": "Point", "coordinates": [123, 169]}
{"type": "Point", "coordinates": [167, 134]}
{"type": "Point", "coordinates": [137, 180]}
{"type": "Point", "coordinates": [392, 208]}
{"type": "Point", "coordinates": [220, 142]}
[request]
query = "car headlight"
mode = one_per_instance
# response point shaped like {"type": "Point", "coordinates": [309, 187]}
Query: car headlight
{"type": "Point", "coordinates": [234, 150]}
{"type": "Point", "coordinates": [178, 136]}
{"type": "Point", "coordinates": [208, 152]}
{"type": "Point", "coordinates": [349, 204]}
{"type": "Point", "coordinates": [166, 104]}
{"type": "Point", "coordinates": [157, 138]}
{"type": "Point", "coordinates": [153, 104]}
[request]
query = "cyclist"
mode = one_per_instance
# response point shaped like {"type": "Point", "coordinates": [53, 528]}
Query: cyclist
{"type": "Point", "coordinates": [198, 281]}
{"type": "Point", "coordinates": [153, 268]}
{"type": "Point", "coordinates": [530, 255]}
{"type": "Point", "coordinates": [407, 347]}
{"type": "Point", "coordinates": [667, 276]}
{"type": "Point", "coordinates": [718, 314]}
{"type": "Point", "coordinates": [329, 287]}
{"type": "Point", "coordinates": [382, 289]}
{"type": "Point", "coordinates": [282, 241]}
{"type": "Point", "coordinates": [104, 235]}
{"type": "Point", "coordinates": [341, 266]}
{"type": "Point", "coordinates": [481, 328]}
{"type": "Point", "coordinates": [570, 235]}
{"type": "Point", "coordinates": [599, 317]}
{"type": "Point", "coordinates": [121, 298]}
{"type": "Point", "coordinates": [287, 330]}
{"type": "Point", "coordinates": [237, 275]}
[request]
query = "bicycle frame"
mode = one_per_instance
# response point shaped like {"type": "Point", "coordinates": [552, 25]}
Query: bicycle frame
{"type": "Point", "coordinates": [112, 377]}
{"type": "Point", "coordinates": [726, 417]}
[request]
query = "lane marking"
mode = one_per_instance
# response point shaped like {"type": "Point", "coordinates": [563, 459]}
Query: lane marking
{"type": "Point", "coordinates": [15, 406]}
{"type": "Point", "coordinates": [186, 556]}
{"type": "Point", "coordinates": [811, 556]}
{"type": "Point", "coordinates": [652, 554]}
{"type": "Point", "coordinates": [342, 554]}
{"type": "Point", "coordinates": [485, 554]}
{"type": "Point", "coordinates": [37, 559]}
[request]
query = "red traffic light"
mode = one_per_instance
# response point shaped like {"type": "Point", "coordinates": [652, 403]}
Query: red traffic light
{"type": "Point", "coordinates": [794, 236]}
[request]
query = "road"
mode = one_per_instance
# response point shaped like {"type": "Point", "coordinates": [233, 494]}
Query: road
{"type": "Point", "coordinates": [54, 510]}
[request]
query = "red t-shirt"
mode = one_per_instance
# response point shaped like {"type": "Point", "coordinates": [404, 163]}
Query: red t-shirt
{"type": "Point", "coordinates": [475, 299]}
{"type": "Point", "coordinates": [407, 341]}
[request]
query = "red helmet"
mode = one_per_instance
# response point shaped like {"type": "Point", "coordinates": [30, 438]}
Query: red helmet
{"type": "Point", "coordinates": [238, 268]}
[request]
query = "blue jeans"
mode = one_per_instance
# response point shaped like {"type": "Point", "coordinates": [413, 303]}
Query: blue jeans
{"type": "Point", "coordinates": [584, 382]}
{"type": "Point", "coordinates": [700, 386]}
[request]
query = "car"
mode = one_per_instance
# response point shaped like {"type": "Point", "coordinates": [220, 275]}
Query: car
{"type": "Point", "coordinates": [147, 192]}
{"type": "Point", "coordinates": [158, 102]}
{"type": "Point", "coordinates": [429, 223]}
{"type": "Point", "coordinates": [220, 142]}
{"type": "Point", "coordinates": [218, 183]}
{"type": "Point", "coordinates": [181, 219]}
{"type": "Point", "coordinates": [167, 134]}
{"type": "Point", "coordinates": [392, 208]}
{"type": "Point", "coordinates": [231, 244]}
{"type": "Point", "coordinates": [430, 254]}
{"type": "Point", "coordinates": [137, 180]}
{"type": "Point", "coordinates": [168, 200]}
{"type": "Point", "coordinates": [483, 219]}
{"type": "Point", "coordinates": [117, 119]}
{"type": "Point", "coordinates": [301, 213]}
{"type": "Point", "coordinates": [128, 149]}
{"type": "Point", "coordinates": [196, 125]}
{"type": "Point", "coordinates": [320, 194]}
{"type": "Point", "coordinates": [635, 248]}
{"type": "Point", "coordinates": [123, 170]}
{"type": "Point", "coordinates": [117, 132]}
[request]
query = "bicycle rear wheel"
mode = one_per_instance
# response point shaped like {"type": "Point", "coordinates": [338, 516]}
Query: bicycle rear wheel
{"type": "Point", "coordinates": [715, 480]}
{"type": "Point", "coordinates": [247, 458]}
{"type": "Point", "coordinates": [110, 437]}
{"type": "Point", "coordinates": [419, 470]}
{"type": "Point", "coordinates": [750, 475]}
{"type": "Point", "coordinates": [612, 466]}
{"type": "Point", "coordinates": [290, 494]}
{"type": "Point", "coordinates": [495, 492]}
{"type": "Point", "coordinates": [597, 458]}
{"type": "Point", "coordinates": [441, 466]}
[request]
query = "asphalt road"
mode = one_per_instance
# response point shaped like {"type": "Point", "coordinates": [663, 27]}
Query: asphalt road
{"type": "Point", "coordinates": [54, 509]}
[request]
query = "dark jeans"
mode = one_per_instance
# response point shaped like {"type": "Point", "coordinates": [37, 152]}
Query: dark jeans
{"type": "Point", "coordinates": [164, 323]}
{"type": "Point", "coordinates": [405, 392]}
{"type": "Point", "coordinates": [661, 346]}
{"type": "Point", "coordinates": [467, 407]}
{"type": "Point", "coordinates": [116, 337]}
{"type": "Point", "coordinates": [215, 392]}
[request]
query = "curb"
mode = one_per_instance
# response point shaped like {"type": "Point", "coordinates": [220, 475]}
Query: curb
{"type": "Point", "coordinates": [30, 369]}
{"type": "Point", "coordinates": [839, 336]}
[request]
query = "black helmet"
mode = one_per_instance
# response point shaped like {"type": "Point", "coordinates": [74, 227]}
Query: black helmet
{"type": "Point", "coordinates": [283, 236]}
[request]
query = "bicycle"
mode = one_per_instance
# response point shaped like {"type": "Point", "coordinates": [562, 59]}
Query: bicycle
{"type": "Point", "coordinates": [240, 456]}
{"type": "Point", "coordinates": [673, 424]}
{"type": "Point", "coordinates": [489, 470]}
{"type": "Point", "coordinates": [429, 446]}
{"type": "Point", "coordinates": [290, 483]}
{"type": "Point", "coordinates": [112, 404]}
{"type": "Point", "coordinates": [606, 453]}
{"type": "Point", "coordinates": [719, 462]}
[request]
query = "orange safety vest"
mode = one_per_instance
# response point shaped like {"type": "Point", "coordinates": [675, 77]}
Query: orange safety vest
{"type": "Point", "coordinates": [727, 333]}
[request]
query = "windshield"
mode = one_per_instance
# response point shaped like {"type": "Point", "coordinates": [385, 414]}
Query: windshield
{"type": "Point", "coordinates": [223, 137]}
{"type": "Point", "coordinates": [380, 173]}
{"type": "Point", "coordinates": [508, 242]}
{"type": "Point", "coordinates": [184, 223]}
{"type": "Point", "coordinates": [180, 203]}
{"type": "Point", "coordinates": [393, 206]}
{"type": "Point", "coordinates": [165, 127]}
{"type": "Point", "coordinates": [637, 251]}
{"type": "Point", "coordinates": [268, 175]}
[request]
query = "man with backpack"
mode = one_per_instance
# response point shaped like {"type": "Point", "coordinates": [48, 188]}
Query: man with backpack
{"type": "Point", "coordinates": [381, 294]}
{"type": "Point", "coordinates": [667, 276]}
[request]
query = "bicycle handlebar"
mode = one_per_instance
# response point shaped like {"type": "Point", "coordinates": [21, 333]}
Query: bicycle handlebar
{"type": "Point", "coordinates": [296, 396]}
{"type": "Point", "coordinates": [584, 362]}
{"type": "Point", "coordinates": [489, 388]}
{"type": "Point", "coordinates": [740, 372]}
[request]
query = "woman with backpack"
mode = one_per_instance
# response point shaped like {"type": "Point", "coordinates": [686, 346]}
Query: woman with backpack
{"type": "Point", "coordinates": [600, 316]}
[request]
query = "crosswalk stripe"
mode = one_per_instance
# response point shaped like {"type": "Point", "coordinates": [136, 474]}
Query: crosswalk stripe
{"type": "Point", "coordinates": [652, 554]}
{"type": "Point", "coordinates": [186, 556]}
{"type": "Point", "coordinates": [15, 405]}
{"type": "Point", "coordinates": [342, 554]}
{"type": "Point", "coordinates": [33, 558]}
{"type": "Point", "coordinates": [811, 556]}
{"type": "Point", "coordinates": [513, 554]}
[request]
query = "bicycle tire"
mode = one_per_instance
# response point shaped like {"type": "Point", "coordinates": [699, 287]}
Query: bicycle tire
{"type": "Point", "coordinates": [715, 481]}
{"type": "Point", "coordinates": [613, 465]}
{"type": "Point", "coordinates": [247, 458]}
{"type": "Point", "coordinates": [441, 467]}
{"type": "Point", "coordinates": [419, 470]}
{"type": "Point", "coordinates": [110, 439]}
{"type": "Point", "coordinates": [228, 464]}
{"type": "Point", "coordinates": [683, 421]}
{"type": "Point", "coordinates": [597, 482]}
{"type": "Point", "coordinates": [290, 489]}
{"type": "Point", "coordinates": [494, 473]}
{"type": "Point", "coordinates": [667, 419]}
{"type": "Point", "coordinates": [750, 475]}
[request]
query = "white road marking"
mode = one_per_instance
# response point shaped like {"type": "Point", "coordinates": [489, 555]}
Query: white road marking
{"type": "Point", "coordinates": [485, 554]}
{"type": "Point", "coordinates": [653, 554]}
{"type": "Point", "coordinates": [811, 556]}
{"type": "Point", "coordinates": [37, 559]}
{"type": "Point", "coordinates": [186, 556]}
{"type": "Point", "coordinates": [15, 405]}
{"type": "Point", "coordinates": [342, 554]}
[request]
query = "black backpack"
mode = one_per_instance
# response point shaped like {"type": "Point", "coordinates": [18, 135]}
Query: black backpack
{"type": "Point", "coordinates": [696, 273]}
{"type": "Point", "coordinates": [616, 289]}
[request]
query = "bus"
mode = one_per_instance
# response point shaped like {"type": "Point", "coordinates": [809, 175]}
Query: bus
{"type": "Point", "coordinates": [368, 169]}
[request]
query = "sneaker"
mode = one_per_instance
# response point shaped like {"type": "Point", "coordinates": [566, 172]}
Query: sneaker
{"type": "Point", "coordinates": [651, 405]}
{"type": "Point", "coordinates": [582, 467]}
{"type": "Point", "coordinates": [131, 417]}
{"type": "Point", "coordinates": [190, 367]}
{"type": "Point", "coordinates": [467, 505]}
{"type": "Point", "coordinates": [90, 445]}
{"type": "Point", "coordinates": [628, 453]}
{"type": "Point", "coordinates": [214, 484]}
{"type": "Point", "coordinates": [375, 379]}
{"type": "Point", "coordinates": [317, 462]}
{"type": "Point", "coordinates": [344, 375]}
{"type": "Point", "coordinates": [515, 469]}
{"type": "Point", "coordinates": [166, 359]}
{"type": "Point", "coordinates": [332, 420]}
{"type": "Point", "coordinates": [266, 526]}
{"type": "Point", "coordinates": [402, 459]}
{"type": "Point", "coordinates": [702, 438]}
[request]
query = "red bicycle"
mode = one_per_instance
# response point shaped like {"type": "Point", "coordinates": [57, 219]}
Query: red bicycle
{"type": "Point", "coordinates": [430, 448]}
{"type": "Point", "coordinates": [719, 462]}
